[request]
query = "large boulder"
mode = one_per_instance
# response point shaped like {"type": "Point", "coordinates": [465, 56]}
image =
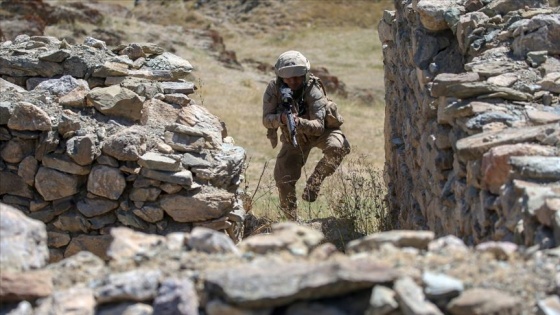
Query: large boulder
{"type": "Point", "coordinates": [23, 241]}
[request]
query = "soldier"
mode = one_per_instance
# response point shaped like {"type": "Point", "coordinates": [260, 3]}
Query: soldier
{"type": "Point", "coordinates": [309, 109]}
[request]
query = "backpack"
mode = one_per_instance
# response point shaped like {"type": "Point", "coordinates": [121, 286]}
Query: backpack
{"type": "Point", "coordinates": [333, 119]}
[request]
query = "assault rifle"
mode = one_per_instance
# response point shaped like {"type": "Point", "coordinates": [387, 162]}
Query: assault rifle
{"type": "Point", "coordinates": [287, 101]}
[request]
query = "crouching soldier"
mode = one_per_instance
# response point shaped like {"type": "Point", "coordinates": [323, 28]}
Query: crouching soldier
{"type": "Point", "coordinates": [296, 102]}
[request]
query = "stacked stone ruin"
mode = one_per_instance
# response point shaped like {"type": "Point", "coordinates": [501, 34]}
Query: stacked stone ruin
{"type": "Point", "coordinates": [472, 118]}
{"type": "Point", "coordinates": [292, 270]}
{"type": "Point", "coordinates": [92, 138]}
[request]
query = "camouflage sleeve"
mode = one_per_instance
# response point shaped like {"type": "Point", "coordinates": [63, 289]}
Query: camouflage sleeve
{"type": "Point", "coordinates": [271, 119]}
{"type": "Point", "coordinates": [315, 125]}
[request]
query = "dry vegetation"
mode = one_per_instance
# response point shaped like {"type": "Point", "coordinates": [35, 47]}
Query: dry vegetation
{"type": "Point", "coordinates": [339, 35]}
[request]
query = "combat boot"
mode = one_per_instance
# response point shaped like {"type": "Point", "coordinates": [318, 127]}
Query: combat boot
{"type": "Point", "coordinates": [310, 193]}
{"type": "Point", "coordinates": [324, 168]}
{"type": "Point", "coordinates": [291, 214]}
{"type": "Point", "coordinates": [288, 202]}
{"type": "Point", "coordinates": [312, 188]}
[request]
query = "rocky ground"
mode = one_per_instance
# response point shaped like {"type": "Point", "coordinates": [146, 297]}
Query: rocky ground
{"type": "Point", "coordinates": [292, 270]}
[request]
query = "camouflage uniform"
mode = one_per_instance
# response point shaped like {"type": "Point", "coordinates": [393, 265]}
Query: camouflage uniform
{"type": "Point", "coordinates": [309, 105]}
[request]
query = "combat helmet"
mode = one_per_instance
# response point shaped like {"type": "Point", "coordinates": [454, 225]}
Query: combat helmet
{"type": "Point", "coordinates": [291, 64]}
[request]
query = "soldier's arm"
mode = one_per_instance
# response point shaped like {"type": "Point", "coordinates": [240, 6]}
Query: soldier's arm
{"type": "Point", "coordinates": [271, 119]}
{"type": "Point", "coordinates": [315, 125]}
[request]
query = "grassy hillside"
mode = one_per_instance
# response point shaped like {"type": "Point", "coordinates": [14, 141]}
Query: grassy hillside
{"type": "Point", "coordinates": [339, 35]}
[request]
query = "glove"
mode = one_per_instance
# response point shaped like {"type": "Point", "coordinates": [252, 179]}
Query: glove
{"type": "Point", "coordinates": [272, 135]}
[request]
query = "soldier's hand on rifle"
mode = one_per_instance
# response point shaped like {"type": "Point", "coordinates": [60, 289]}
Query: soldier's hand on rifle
{"type": "Point", "coordinates": [284, 119]}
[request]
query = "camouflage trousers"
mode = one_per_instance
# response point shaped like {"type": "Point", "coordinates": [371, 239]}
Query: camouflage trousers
{"type": "Point", "coordinates": [290, 161]}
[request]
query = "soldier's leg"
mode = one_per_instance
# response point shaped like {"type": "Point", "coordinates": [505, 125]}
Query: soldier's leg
{"type": "Point", "coordinates": [287, 171]}
{"type": "Point", "coordinates": [335, 147]}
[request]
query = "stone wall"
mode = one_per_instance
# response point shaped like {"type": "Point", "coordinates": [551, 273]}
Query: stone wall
{"type": "Point", "coordinates": [291, 270]}
{"type": "Point", "coordinates": [93, 138]}
{"type": "Point", "coordinates": [472, 118]}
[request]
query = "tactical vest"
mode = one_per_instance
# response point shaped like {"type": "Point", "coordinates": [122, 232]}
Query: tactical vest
{"type": "Point", "coordinates": [333, 119]}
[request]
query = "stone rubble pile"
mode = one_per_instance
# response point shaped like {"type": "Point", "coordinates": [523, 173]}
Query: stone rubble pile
{"type": "Point", "coordinates": [290, 271]}
{"type": "Point", "coordinates": [473, 118]}
{"type": "Point", "coordinates": [92, 138]}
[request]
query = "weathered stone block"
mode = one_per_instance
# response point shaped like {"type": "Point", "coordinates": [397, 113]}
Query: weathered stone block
{"type": "Point", "coordinates": [26, 116]}
{"type": "Point", "coordinates": [106, 182]}
{"type": "Point", "coordinates": [23, 241]}
{"type": "Point", "coordinates": [200, 206]}
{"type": "Point", "coordinates": [116, 101]}
{"type": "Point", "coordinates": [52, 184]}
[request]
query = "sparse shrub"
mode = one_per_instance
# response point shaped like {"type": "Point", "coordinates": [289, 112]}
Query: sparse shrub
{"type": "Point", "coordinates": [357, 192]}
{"type": "Point", "coordinates": [261, 195]}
